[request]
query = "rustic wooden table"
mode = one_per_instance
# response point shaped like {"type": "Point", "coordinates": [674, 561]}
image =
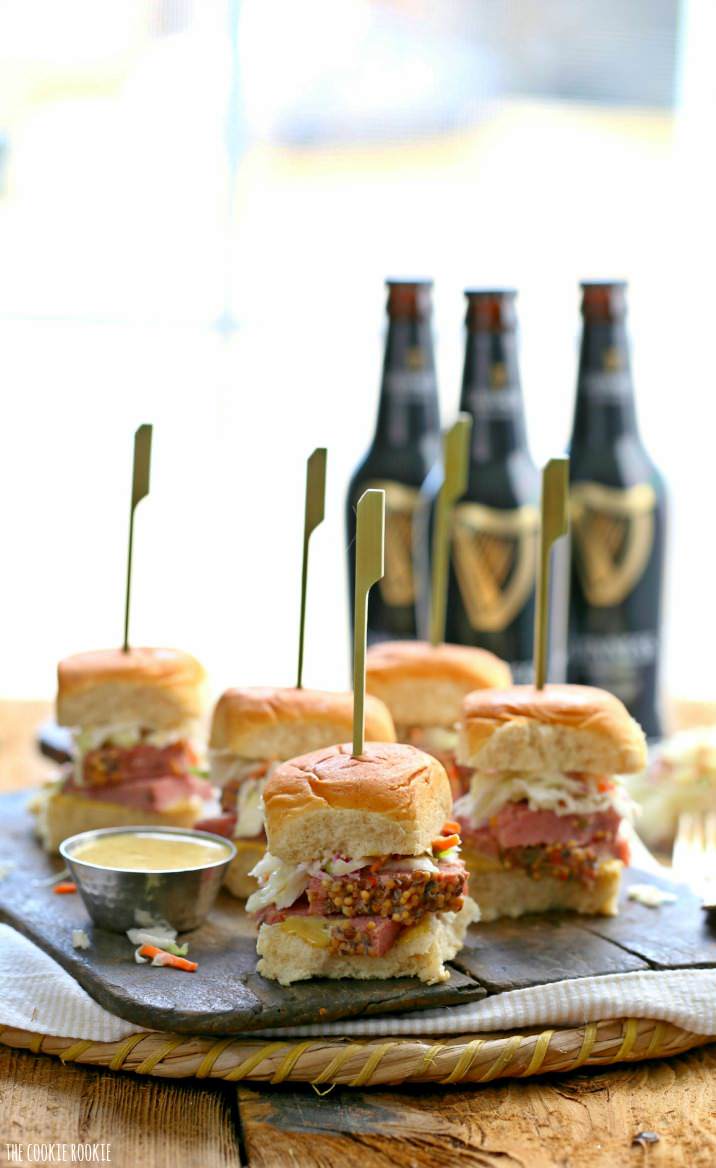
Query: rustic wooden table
{"type": "Point", "coordinates": [584, 1120]}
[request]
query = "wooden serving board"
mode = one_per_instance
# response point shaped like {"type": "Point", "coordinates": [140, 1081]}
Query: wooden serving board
{"type": "Point", "coordinates": [227, 995]}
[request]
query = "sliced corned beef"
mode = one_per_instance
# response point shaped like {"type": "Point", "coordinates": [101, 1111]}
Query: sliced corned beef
{"type": "Point", "coordinates": [357, 937]}
{"type": "Point", "coordinates": [110, 765]}
{"type": "Point", "coordinates": [402, 896]}
{"type": "Point", "coordinates": [219, 824]}
{"type": "Point", "coordinates": [364, 936]}
{"type": "Point", "coordinates": [516, 826]}
{"type": "Point", "coordinates": [148, 794]}
{"type": "Point", "coordinates": [544, 843]}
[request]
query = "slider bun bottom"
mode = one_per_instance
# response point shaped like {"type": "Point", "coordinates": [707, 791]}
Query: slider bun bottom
{"type": "Point", "coordinates": [511, 892]}
{"type": "Point", "coordinates": [420, 952]}
{"type": "Point", "coordinates": [248, 853]}
{"type": "Point", "coordinates": [61, 815]}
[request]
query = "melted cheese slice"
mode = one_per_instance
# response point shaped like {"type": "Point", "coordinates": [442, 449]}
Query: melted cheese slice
{"type": "Point", "coordinates": [480, 863]}
{"type": "Point", "coordinates": [313, 930]}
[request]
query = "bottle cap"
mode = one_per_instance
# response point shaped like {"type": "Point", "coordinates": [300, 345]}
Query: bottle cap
{"type": "Point", "coordinates": [491, 310]}
{"type": "Point", "coordinates": [603, 300]}
{"type": "Point", "coordinates": [411, 299]}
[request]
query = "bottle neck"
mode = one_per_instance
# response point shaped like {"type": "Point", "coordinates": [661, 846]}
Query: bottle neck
{"type": "Point", "coordinates": [605, 408]}
{"type": "Point", "coordinates": [492, 394]}
{"type": "Point", "coordinates": [408, 411]}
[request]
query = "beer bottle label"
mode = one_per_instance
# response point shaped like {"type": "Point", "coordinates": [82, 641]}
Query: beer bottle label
{"type": "Point", "coordinates": [495, 558]}
{"type": "Point", "coordinates": [613, 533]}
{"type": "Point", "coordinates": [612, 382]}
{"type": "Point", "coordinates": [414, 380]}
{"type": "Point", "coordinates": [500, 398]}
{"type": "Point", "coordinates": [398, 586]}
{"type": "Point", "coordinates": [409, 384]}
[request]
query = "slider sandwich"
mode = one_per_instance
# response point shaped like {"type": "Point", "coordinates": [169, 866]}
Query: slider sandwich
{"type": "Point", "coordinates": [542, 822]}
{"type": "Point", "coordinates": [133, 716]}
{"type": "Point", "coordinates": [363, 876]}
{"type": "Point", "coordinates": [424, 685]}
{"type": "Point", "coordinates": [252, 732]}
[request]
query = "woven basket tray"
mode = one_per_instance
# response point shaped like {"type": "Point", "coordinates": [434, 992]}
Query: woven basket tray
{"type": "Point", "coordinates": [470, 1058]}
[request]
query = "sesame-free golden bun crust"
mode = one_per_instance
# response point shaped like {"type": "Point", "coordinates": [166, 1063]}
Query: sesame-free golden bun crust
{"type": "Point", "coordinates": [157, 688]}
{"type": "Point", "coordinates": [560, 727]}
{"type": "Point", "coordinates": [393, 799]}
{"type": "Point", "coordinates": [237, 880]}
{"type": "Point", "coordinates": [424, 684]}
{"type": "Point", "coordinates": [282, 723]}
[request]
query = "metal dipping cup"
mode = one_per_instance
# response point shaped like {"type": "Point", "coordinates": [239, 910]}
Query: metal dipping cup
{"type": "Point", "coordinates": [116, 897]}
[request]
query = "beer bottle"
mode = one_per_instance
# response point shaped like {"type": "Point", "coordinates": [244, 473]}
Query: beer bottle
{"type": "Point", "coordinates": [618, 519]}
{"type": "Point", "coordinates": [405, 446]}
{"type": "Point", "coordinates": [491, 591]}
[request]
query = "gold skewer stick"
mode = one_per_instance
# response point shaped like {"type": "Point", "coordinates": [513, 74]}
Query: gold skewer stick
{"type": "Point", "coordinates": [456, 454]}
{"type": "Point", "coordinates": [313, 517]}
{"type": "Point", "coordinates": [554, 524]}
{"type": "Point", "coordinates": [140, 489]}
{"type": "Point", "coordinates": [370, 565]}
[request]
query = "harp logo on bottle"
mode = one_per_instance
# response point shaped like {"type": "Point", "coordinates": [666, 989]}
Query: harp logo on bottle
{"type": "Point", "coordinates": [613, 533]}
{"type": "Point", "coordinates": [498, 375]}
{"type": "Point", "coordinates": [398, 586]}
{"type": "Point", "coordinates": [495, 558]}
{"type": "Point", "coordinates": [610, 383]}
{"type": "Point", "coordinates": [501, 397]}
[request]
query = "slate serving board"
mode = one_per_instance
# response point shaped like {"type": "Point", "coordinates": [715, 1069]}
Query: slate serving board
{"type": "Point", "coordinates": [227, 995]}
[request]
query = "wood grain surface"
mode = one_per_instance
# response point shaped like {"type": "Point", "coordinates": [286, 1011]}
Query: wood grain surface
{"type": "Point", "coordinates": [583, 1120]}
{"type": "Point", "coordinates": [686, 936]}
{"type": "Point", "coordinates": [145, 1122]}
{"type": "Point", "coordinates": [509, 955]}
{"type": "Point", "coordinates": [588, 1120]}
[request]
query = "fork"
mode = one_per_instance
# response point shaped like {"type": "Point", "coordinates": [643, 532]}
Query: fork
{"type": "Point", "coordinates": [694, 856]}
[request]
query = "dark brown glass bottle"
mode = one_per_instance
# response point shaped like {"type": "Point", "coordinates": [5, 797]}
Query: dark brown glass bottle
{"type": "Point", "coordinates": [618, 520]}
{"type": "Point", "coordinates": [491, 593]}
{"type": "Point", "coordinates": [405, 446]}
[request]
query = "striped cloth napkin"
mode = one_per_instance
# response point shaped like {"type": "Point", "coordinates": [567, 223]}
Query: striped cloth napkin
{"type": "Point", "coordinates": [37, 994]}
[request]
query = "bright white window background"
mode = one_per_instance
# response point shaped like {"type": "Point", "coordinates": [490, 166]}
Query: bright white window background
{"type": "Point", "coordinates": [126, 236]}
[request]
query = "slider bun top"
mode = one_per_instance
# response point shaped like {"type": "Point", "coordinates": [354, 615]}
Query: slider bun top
{"type": "Point", "coordinates": [393, 799]}
{"type": "Point", "coordinates": [424, 685]}
{"type": "Point", "coordinates": [560, 727]}
{"type": "Point", "coordinates": [281, 723]}
{"type": "Point", "coordinates": [156, 688]}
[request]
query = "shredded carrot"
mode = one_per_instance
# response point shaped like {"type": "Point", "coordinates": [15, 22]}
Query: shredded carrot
{"type": "Point", "coordinates": [151, 951]}
{"type": "Point", "coordinates": [65, 886]}
{"type": "Point", "coordinates": [451, 827]}
{"type": "Point", "coordinates": [377, 864]}
{"type": "Point", "coordinates": [445, 842]}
